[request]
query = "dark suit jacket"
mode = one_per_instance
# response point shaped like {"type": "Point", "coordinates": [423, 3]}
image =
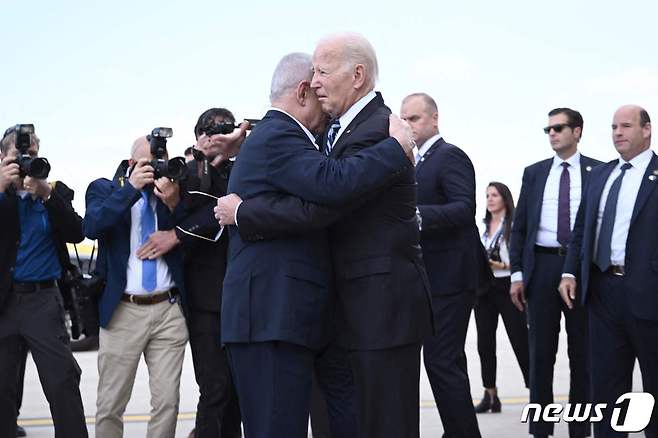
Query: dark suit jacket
{"type": "Point", "coordinates": [528, 212]}
{"type": "Point", "coordinates": [641, 264]}
{"type": "Point", "coordinates": [383, 290]}
{"type": "Point", "coordinates": [65, 223]}
{"type": "Point", "coordinates": [204, 261]}
{"type": "Point", "coordinates": [454, 256]}
{"type": "Point", "coordinates": [281, 289]}
{"type": "Point", "coordinates": [107, 219]}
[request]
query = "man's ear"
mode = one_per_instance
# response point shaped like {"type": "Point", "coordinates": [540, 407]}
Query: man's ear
{"type": "Point", "coordinates": [578, 130]}
{"type": "Point", "coordinates": [302, 92]}
{"type": "Point", "coordinates": [359, 76]}
{"type": "Point", "coordinates": [435, 119]}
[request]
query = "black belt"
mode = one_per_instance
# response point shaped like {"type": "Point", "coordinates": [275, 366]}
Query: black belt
{"type": "Point", "coordinates": [555, 250]}
{"type": "Point", "coordinates": [32, 286]}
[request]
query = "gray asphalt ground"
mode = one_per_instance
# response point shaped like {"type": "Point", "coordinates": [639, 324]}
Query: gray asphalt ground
{"type": "Point", "coordinates": [35, 415]}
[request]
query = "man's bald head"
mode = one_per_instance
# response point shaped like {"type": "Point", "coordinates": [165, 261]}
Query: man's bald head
{"type": "Point", "coordinates": [141, 149]}
{"type": "Point", "coordinates": [631, 131]}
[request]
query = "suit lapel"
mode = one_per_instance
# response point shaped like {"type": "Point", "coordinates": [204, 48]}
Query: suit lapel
{"type": "Point", "coordinates": [585, 170]}
{"type": "Point", "coordinates": [597, 189]}
{"type": "Point", "coordinates": [437, 144]}
{"type": "Point", "coordinates": [647, 186]}
{"type": "Point", "coordinates": [364, 114]}
{"type": "Point", "coordinates": [540, 185]}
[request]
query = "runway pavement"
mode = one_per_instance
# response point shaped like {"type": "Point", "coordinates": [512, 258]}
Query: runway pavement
{"type": "Point", "coordinates": [35, 415]}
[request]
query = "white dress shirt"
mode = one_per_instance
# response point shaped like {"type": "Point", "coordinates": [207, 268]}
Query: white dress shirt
{"type": "Point", "coordinates": [352, 112]}
{"type": "Point", "coordinates": [547, 231]}
{"type": "Point", "coordinates": [630, 186]}
{"type": "Point", "coordinates": [420, 152]}
{"type": "Point", "coordinates": [134, 273]}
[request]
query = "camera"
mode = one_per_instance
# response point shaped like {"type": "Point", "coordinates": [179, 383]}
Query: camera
{"type": "Point", "coordinates": [35, 167]}
{"type": "Point", "coordinates": [226, 127]}
{"type": "Point", "coordinates": [173, 169]}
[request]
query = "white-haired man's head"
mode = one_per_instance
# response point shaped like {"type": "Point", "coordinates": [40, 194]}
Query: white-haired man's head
{"type": "Point", "coordinates": [345, 69]}
{"type": "Point", "coordinates": [291, 91]}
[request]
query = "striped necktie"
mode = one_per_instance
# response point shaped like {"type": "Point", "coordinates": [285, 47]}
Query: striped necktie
{"type": "Point", "coordinates": [331, 135]}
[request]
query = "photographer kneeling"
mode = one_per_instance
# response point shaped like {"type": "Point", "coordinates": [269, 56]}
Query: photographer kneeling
{"type": "Point", "coordinates": [37, 221]}
{"type": "Point", "coordinates": [140, 307]}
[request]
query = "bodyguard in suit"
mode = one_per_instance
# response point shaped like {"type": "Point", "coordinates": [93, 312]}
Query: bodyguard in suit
{"type": "Point", "coordinates": [454, 257]}
{"type": "Point", "coordinates": [549, 199]}
{"type": "Point", "coordinates": [140, 308]}
{"type": "Point", "coordinates": [37, 219]}
{"type": "Point", "coordinates": [612, 259]}
{"type": "Point", "coordinates": [277, 294]}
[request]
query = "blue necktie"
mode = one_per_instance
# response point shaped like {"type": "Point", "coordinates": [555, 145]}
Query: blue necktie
{"type": "Point", "coordinates": [149, 267]}
{"type": "Point", "coordinates": [331, 135]}
{"type": "Point", "coordinates": [604, 249]}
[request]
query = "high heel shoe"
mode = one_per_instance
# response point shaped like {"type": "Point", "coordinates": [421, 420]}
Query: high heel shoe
{"type": "Point", "coordinates": [487, 404]}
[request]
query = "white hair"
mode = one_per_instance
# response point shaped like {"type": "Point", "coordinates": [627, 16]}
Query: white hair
{"type": "Point", "coordinates": [289, 72]}
{"type": "Point", "coordinates": [356, 49]}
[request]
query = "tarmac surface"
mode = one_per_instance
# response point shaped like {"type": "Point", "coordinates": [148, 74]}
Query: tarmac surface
{"type": "Point", "coordinates": [35, 415]}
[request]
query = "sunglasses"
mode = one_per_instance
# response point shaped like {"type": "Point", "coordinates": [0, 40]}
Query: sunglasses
{"type": "Point", "coordinates": [557, 128]}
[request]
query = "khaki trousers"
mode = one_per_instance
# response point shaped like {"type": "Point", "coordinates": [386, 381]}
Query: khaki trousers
{"type": "Point", "coordinates": [160, 333]}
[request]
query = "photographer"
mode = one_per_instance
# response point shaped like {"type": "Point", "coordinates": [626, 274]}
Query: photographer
{"type": "Point", "coordinates": [140, 307]}
{"type": "Point", "coordinates": [218, 413]}
{"type": "Point", "coordinates": [37, 221]}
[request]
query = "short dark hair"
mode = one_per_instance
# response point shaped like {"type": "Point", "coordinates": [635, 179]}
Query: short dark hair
{"type": "Point", "coordinates": [208, 117]}
{"type": "Point", "coordinates": [188, 150]}
{"type": "Point", "coordinates": [644, 117]}
{"type": "Point", "coordinates": [573, 116]}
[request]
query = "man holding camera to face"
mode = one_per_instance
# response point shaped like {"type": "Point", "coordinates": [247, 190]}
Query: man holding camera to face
{"type": "Point", "coordinates": [140, 307]}
{"type": "Point", "coordinates": [37, 221]}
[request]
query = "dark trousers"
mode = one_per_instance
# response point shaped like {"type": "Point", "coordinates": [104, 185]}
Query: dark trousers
{"type": "Point", "coordinates": [387, 394]}
{"type": "Point", "coordinates": [445, 363]}
{"type": "Point", "coordinates": [21, 379]}
{"type": "Point", "coordinates": [545, 309]}
{"type": "Point", "coordinates": [36, 321]}
{"type": "Point", "coordinates": [496, 301]}
{"type": "Point", "coordinates": [333, 396]}
{"type": "Point", "coordinates": [273, 382]}
{"type": "Point", "coordinates": [218, 412]}
{"type": "Point", "coordinates": [617, 339]}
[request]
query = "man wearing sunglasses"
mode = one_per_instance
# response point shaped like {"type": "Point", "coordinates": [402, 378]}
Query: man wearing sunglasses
{"type": "Point", "coordinates": [545, 215]}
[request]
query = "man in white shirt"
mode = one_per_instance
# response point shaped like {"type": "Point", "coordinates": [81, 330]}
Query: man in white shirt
{"type": "Point", "coordinates": [140, 308]}
{"type": "Point", "coordinates": [544, 217]}
{"type": "Point", "coordinates": [612, 259]}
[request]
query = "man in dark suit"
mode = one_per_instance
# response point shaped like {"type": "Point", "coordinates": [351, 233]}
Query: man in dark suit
{"type": "Point", "coordinates": [544, 217]}
{"type": "Point", "coordinates": [277, 298]}
{"type": "Point", "coordinates": [140, 307]}
{"type": "Point", "coordinates": [612, 259]}
{"type": "Point", "coordinates": [454, 257]}
{"type": "Point", "coordinates": [37, 221]}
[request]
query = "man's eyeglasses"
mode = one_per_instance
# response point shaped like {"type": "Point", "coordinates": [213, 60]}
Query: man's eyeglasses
{"type": "Point", "coordinates": [557, 128]}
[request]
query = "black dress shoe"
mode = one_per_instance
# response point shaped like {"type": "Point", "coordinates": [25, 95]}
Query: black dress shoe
{"type": "Point", "coordinates": [20, 431]}
{"type": "Point", "coordinates": [487, 404]}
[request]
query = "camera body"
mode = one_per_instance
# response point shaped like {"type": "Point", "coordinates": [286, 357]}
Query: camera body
{"type": "Point", "coordinates": [173, 169]}
{"type": "Point", "coordinates": [35, 167]}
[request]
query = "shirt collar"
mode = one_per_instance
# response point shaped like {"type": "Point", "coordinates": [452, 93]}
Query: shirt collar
{"type": "Point", "coordinates": [640, 162]}
{"type": "Point", "coordinates": [355, 109]}
{"type": "Point", "coordinates": [428, 143]}
{"type": "Point", "coordinates": [304, 128]}
{"type": "Point", "coordinates": [573, 160]}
